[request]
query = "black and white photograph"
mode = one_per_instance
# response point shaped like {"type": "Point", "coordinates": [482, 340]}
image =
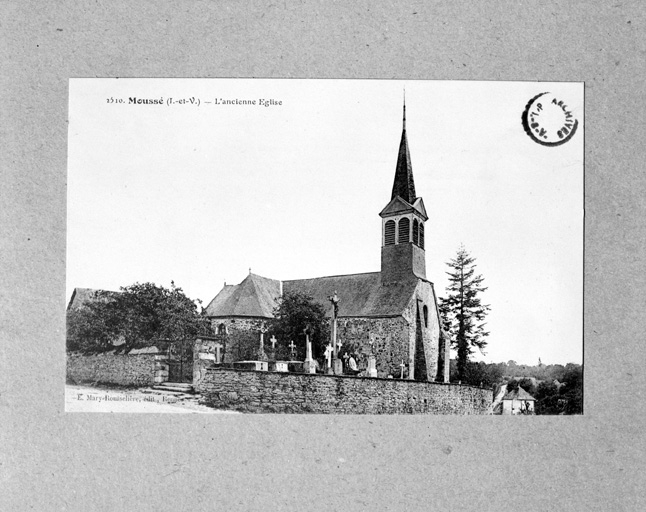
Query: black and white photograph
{"type": "Point", "coordinates": [324, 255]}
{"type": "Point", "coordinates": [325, 246]}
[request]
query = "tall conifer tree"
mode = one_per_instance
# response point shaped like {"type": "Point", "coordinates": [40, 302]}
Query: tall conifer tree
{"type": "Point", "coordinates": [462, 311]}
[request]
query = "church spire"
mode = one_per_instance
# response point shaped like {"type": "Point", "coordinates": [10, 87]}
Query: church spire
{"type": "Point", "coordinates": [404, 108]}
{"type": "Point", "coordinates": [404, 186]}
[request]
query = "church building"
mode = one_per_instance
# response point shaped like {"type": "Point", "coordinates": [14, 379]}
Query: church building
{"type": "Point", "coordinates": [392, 313]}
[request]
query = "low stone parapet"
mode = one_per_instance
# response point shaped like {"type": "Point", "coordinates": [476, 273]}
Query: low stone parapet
{"type": "Point", "coordinates": [261, 392]}
{"type": "Point", "coordinates": [138, 368]}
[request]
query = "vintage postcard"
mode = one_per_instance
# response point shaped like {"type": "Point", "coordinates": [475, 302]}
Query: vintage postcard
{"type": "Point", "coordinates": [325, 246]}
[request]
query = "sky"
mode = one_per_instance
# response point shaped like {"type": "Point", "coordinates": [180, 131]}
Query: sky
{"type": "Point", "coordinates": [199, 193]}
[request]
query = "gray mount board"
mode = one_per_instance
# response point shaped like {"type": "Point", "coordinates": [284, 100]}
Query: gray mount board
{"type": "Point", "coordinates": [56, 461]}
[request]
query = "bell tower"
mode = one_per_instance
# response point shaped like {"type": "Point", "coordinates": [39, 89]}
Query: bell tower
{"type": "Point", "coordinates": [402, 223]}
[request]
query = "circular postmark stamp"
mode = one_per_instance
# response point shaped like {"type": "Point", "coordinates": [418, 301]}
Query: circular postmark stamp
{"type": "Point", "coordinates": [548, 120]}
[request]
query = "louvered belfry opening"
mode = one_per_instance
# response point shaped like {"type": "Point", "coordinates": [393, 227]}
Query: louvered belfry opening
{"type": "Point", "coordinates": [421, 235]}
{"type": "Point", "coordinates": [404, 230]}
{"type": "Point", "coordinates": [389, 234]}
{"type": "Point", "coordinates": [415, 232]}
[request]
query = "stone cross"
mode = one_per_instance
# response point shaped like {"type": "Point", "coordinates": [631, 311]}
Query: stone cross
{"type": "Point", "coordinates": [328, 354]}
{"type": "Point", "coordinates": [263, 330]}
{"type": "Point", "coordinates": [292, 347]}
{"type": "Point", "coordinates": [371, 341]}
{"type": "Point", "coordinates": [339, 345]}
{"type": "Point", "coordinates": [273, 342]}
{"type": "Point", "coordinates": [334, 299]}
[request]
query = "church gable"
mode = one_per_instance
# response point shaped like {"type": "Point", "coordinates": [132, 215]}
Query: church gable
{"type": "Point", "coordinates": [396, 206]}
{"type": "Point", "coordinates": [419, 207]}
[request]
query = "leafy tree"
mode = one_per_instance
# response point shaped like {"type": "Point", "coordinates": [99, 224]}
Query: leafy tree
{"type": "Point", "coordinates": [139, 315]}
{"type": "Point", "coordinates": [92, 327]}
{"type": "Point", "coordinates": [244, 345]}
{"type": "Point", "coordinates": [572, 391]}
{"type": "Point", "coordinates": [512, 385]}
{"type": "Point", "coordinates": [294, 311]}
{"type": "Point", "coordinates": [566, 398]}
{"type": "Point", "coordinates": [528, 385]}
{"type": "Point", "coordinates": [462, 311]}
{"type": "Point", "coordinates": [547, 399]}
{"type": "Point", "coordinates": [478, 373]}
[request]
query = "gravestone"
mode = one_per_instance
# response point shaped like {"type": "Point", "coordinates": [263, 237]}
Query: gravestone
{"type": "Point", "coordinates": [372, 366]}
{"type": "Point", "coordinates": [328, 358]}
{"type": "Point", "coordinates": [309, 366]}
{"type": "Point", "coordinates": [261, 350]}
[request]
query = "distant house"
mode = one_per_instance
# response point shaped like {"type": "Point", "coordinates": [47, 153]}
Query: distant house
{"type": "Point", "coordinates": [81, 297]}
{"type": "Point", "coordinates": [518, 401]}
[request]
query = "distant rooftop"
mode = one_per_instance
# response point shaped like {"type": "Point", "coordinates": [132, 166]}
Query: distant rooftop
{"type": "Point", "coordinates": [518, 394]}
{"type": "Point", "coordinates": [83, 296]}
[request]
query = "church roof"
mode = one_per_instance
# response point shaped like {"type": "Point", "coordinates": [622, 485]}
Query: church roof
{"type": "Point", "coordinates": [361, 295]}
{"type": "Point", "coordinates": [404, 186]}
{"type": "Point", "coordinates": [255, 296]}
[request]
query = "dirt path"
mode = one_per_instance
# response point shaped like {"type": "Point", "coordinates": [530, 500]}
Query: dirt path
{"type": "Point", "coordinates": [89, 399]}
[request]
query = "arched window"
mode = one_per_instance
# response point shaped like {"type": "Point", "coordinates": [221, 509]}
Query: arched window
{"type": "Point", "coordinates": [425, 316]}
{"type": "Point", "coordinates": [416, 232]}
{"type": "Point", "coordinates": [222, 329]}
{"type": "Point", "coordinates": [421, 235]}
{"type": "Point", "coordinates": [404, 230]}
{"type": "Point", "coordinates": [389, 235]}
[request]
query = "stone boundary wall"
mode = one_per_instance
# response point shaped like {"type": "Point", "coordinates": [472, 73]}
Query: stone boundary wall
{"type": "Point", "coordinates": [133, 369]}
{"type": "Point", "coordinates": [260, 392]}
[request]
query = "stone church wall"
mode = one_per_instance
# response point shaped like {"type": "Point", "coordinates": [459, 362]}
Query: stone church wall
{"type": "Point", "coordinates": [266, 392]}
{"type": "Point", "coordinates": [390, 338]}
{"type": "Point", "coordinates": [110, 368]}
{"type": "Point", "coordinates": [242, 336]}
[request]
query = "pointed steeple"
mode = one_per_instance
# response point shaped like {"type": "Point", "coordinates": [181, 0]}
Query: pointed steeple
{"type": "Point", "coordinates": [404, 185]}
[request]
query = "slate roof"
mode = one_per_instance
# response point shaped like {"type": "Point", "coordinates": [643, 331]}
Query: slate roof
{"type": "Point", "coordinates": [518, 394]}
{"type": "Point", "coordinates": [404, 186]}
{"type": "Point", "coordinates": [83, 296]}
{"type": "Point", "coordinates": [361, 295]}
{"type": "Point", "coordinates": [255, 296]}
